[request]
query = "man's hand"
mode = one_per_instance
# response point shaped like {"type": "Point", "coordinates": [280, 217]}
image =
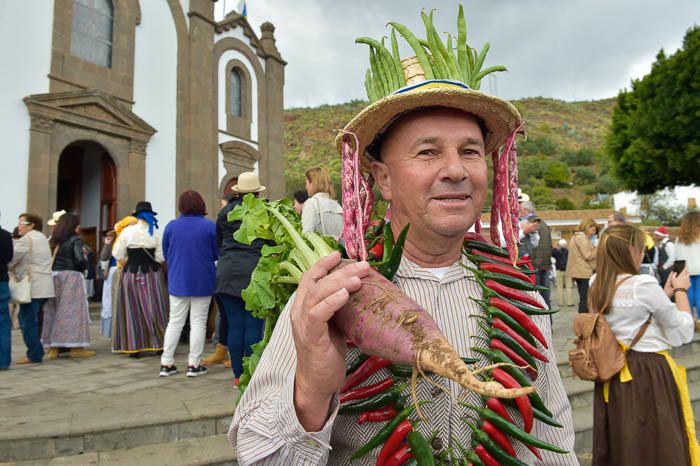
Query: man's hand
{"type": "Point", "coordinates": [320, 370]}
{"type": "Point", "coordinates": [528, 227]}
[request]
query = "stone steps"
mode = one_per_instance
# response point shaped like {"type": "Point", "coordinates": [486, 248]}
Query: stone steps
{"type": "Point", "coordinates": [199, 451]}
{"type": "Point", "coordinates": [580, 394]}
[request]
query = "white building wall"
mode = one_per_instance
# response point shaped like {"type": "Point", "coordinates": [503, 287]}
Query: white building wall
{"type": "Point", "coordinates": [26, 39]}
{"type": "Point", "coordinates": [155, 95]}
{"type": "Point", "coordinates": [223, 82]}
{"type": "Point", "coordinates": [678, 197]}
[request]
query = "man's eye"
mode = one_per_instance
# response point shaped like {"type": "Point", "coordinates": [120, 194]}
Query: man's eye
{"type": "Point", "coordinates": [427, 152]}
{"type": "Point", "coordinates": [471, 153]}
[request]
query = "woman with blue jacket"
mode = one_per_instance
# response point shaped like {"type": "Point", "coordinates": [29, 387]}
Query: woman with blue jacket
{"type": "Point", "coordinates": [190, 249]}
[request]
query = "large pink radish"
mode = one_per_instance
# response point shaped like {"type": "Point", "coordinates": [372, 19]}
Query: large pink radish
{"type": "Point", "coordinates": [382, 321]}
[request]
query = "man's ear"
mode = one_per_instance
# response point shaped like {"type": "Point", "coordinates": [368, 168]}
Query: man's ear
{"type": "Point", "coordinates": [380, 173]}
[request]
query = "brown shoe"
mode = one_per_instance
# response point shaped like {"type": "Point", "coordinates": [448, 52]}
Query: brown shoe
{"type": "Point", "coordinates": [220, 355]}
{"type": "Point", "coordinates": [52, 353]}
{"type": "Point", "coordinates": [227, 364]}
{"type": "Point", "coordinates": [81, 353]}
{"type": "Point", "coordinates": [27, 361]}
{"type": "Point", "coordinates": [697, 326]}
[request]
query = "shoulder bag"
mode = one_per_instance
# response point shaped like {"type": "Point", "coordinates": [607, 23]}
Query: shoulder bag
{"type": "Point", "coordinates": [21, 290]}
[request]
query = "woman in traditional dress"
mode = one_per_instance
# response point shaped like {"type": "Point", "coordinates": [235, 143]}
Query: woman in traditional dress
{"type": "Point", "coordinates": [643, 415]}
{"type": "Point", "coordinates": [67, 317]}
{"type": "Point", "coordinates": [582, 259]}
{"type": "Point", "coordinates": [141, 315]}
{"type": "Point", "coordinates": [687, 248]}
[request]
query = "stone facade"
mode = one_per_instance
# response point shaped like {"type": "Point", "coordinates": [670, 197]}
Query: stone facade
{"type": "Point", "coordinates": [89, 102]}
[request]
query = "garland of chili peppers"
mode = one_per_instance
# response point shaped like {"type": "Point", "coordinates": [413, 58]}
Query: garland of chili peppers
{"type": "Point", "coordinates": [513, 339]}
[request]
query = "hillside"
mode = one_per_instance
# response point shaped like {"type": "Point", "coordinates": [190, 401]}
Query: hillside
{"type": "Point", "coordinates": [560, 162]}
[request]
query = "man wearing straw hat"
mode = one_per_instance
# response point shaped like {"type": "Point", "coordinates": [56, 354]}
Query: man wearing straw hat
{"type": "Point", "coordinates": [425, 142]}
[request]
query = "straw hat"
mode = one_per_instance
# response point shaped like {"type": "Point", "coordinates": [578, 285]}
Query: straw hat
{"type": "Point", "coordinates": [248, 182]}
{"type": "Point", "coordinates": [54, 218]}
{"type": "Point", "coordinates": [500, 116]}
{"type": "Point", "coordinates": [522, 197]}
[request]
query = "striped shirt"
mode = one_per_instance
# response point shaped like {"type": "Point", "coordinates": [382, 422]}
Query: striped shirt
{"type": "Point", "coordinates": [265, 429]}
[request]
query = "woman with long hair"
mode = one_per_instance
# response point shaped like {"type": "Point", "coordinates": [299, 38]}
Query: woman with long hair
{"type": "Point", "coordinates": [582, 259]}
{"type": "Point", "coordinates": [642, 416]}
{"type": "Point", "coordinates": [189, 246]}
{"type": "Point", "coordinates": [33, 258]}
{"type": "Point", "coordinates": [687, 248]}
{"type": "Point", "coordinates": [140, 315]}
{"type": "Point", "coordinates": [321, 212]}
{"type": "Point", "coordinates": [67, 317]}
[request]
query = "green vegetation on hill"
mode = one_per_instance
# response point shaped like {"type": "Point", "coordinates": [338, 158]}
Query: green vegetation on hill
{"type": "Point", "coordinates": [560, 161]}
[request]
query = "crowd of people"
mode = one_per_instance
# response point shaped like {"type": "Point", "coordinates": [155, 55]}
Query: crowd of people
{"type": "Point", "coordinates": [156, 286]}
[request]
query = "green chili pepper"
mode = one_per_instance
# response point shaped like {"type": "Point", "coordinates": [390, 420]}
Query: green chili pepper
{"type": "Point", "coordinates": [411, 462]}
{"type": "Point", "coordinates": [383, 434]}
{"type": "Point", "coordinates": [494, 312]}
{"type": "Point", "coordinates": [512, 344]}
{"type": "Point", "coordinates": [514, 431]}
{"type": "Point", "coordinates": [388, 242]}
{"type": "Point", "coordinates": [541, 416]}
{"type": "Point", "coordinates": [420, 449]}
{"type": "Point", "coordinates": [357, 362]}
{"type": "Point", "coordinates": [389, 269]}
{"type": "Point", "coordinates": [370, 404]}
{"type": "Point", "coordinates": [498, 453]}
{"type": "Point", "coordinates": [490, 248]}
{"type": "Point", "coordinates": [497, 356]}
{"type": "Point", "coordinates": [473, 458]}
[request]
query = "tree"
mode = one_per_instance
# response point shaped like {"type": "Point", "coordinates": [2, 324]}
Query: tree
{"type": "Point", "coordinates": [607, 185]}
{"type": "Point", "coordinates": [564, 203]}
{"type": "Point", "coordinates": [557, 175]}
{"type": "Point", "coordinates": [576, 158]}
{"type": "Point", "coordinates": [584, 175]}
{"type": "Point", "coordinates": [654, 138]}
{"type": "Point", "coordinates": [659, 209]}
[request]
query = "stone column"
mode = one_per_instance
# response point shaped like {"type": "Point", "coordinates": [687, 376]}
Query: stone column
{"type": "Point", "coordinates": [200, 170]}
{"type": "Point", "coordinates": [41, 196]}
{"type": "Point", "coordinates": [271, 165]}
{"type": "Point", "coordinates": [135, 182]}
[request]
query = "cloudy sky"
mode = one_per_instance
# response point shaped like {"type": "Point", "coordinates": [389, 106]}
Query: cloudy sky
{"type": "Point", "coordinates": [566, 49]}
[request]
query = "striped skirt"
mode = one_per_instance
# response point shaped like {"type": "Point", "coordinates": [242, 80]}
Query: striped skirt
{"type": "Point", "coordinates": [140, 313]}
{"type": "Point", "coordinates": [67, 317]}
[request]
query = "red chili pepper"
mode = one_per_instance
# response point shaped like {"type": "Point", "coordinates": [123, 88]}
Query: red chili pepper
{"type": "Point", "coordinates": [369, 367]}
{"type": "Point", "coordinates": [495, 405]}
{"type": "Point", "coordinates": [534, 451]}
{"type": "Point", "coordinates": [499, 324]}
{"type": "Point", "coordinates": [400, 456]}
{"type": "Point", "coordinates": [504, 260]}
{"type": "Point", "coordinates": [515, 357]}
{"type": "Point", "coordinates": [378, 415]}
{"type": "Point", "coordinates": [522, 402]}
{"type": "Point", "coordinates": [520, 317]}
{"type": "Point", "coordinates": [512, 293]}
{"type": "Point", "coordinates": [366, 392]}
{"type": "Point", "coordinates": [498, 437]}
{"type": "Point", "coordinates": [505, 270]}
{"type": "Point", "coordinates": [378, 250]}
{"type": "Point", "coordinates": [485, 456]}
{"type": "Point", "coordinates": [394, 441]}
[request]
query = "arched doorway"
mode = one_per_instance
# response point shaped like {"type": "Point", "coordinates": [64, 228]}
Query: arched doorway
{"type": "Point", "coordinates": [87, 186]}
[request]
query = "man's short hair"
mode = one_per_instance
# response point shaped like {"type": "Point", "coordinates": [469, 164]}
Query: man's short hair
{"type": "Point", "coordinates": [529, 206]}
{"type": "Point", "coordinates": [619, 217]}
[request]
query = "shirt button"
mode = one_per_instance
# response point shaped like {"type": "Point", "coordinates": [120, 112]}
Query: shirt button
{"type": "Point", "coordinates": [312, 443]}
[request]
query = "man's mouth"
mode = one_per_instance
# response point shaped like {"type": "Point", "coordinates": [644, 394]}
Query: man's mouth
{"type": "Point", "coordinates": [452, 197]}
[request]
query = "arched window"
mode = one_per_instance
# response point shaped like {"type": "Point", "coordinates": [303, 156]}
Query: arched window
{"type": "Point", "coordinates": [235, 93]}
{"type": "Point", "coordinates": [91, 38]}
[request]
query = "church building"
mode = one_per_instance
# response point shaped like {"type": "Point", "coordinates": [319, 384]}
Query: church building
{"type": "Point", "coordinates": [104, 103]}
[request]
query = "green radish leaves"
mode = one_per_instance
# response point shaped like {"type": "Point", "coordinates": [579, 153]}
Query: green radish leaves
{"type": "Point", "coordinates": [439, 60]}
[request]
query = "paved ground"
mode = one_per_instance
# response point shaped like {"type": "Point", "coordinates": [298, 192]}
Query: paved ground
{"type": "Point", "coordinates": [75, 396]}
{"type": "Point", "coordinates": [115, 389]}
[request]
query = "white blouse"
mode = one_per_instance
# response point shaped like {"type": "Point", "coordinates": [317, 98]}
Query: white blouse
{"type": "Point", "coordinates": [634, 301]}
{"type": "Point", "coordinates": [137, 236]}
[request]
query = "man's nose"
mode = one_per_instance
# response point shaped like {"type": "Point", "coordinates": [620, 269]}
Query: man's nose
{"type": "Point", "coordinates": [454, 166]}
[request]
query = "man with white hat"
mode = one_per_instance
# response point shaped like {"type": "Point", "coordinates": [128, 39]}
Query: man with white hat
{"type": "Point", "coordinates": [666, 256]}
{"type": "Point", "coordinates": [425, 142]}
